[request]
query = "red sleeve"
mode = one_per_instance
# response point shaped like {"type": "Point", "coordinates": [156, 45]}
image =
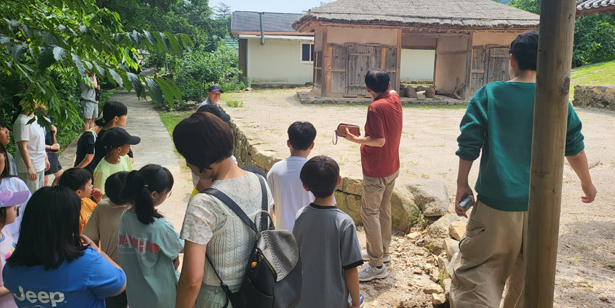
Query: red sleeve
{"type": "Point", "coordinates": [374, 127]}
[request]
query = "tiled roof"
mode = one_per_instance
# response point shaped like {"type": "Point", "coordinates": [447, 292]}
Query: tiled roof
{"type": "Point", "coordinates": [243, 21]}
{"type": "Point", "coordinates": [593, 4]}
{"type": "Point", "coordinates": [451, 14]}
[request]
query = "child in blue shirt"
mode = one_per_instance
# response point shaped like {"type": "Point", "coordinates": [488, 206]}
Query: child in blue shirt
{"type": "Point", "coordinates": [53, 262]}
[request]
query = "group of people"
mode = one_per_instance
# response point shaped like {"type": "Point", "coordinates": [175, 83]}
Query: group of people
{"type": "Point", "coordinates": [80, 247]}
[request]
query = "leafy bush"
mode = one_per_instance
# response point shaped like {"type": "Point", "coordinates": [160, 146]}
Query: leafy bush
{"type": "Point", "coordinates": [195, 72]}
{"type": "Point", "coordinates": [594, 40]}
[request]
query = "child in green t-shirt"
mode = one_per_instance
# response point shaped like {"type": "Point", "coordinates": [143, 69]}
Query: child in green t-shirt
{"type": "Point", "coordinates": [117, 142]}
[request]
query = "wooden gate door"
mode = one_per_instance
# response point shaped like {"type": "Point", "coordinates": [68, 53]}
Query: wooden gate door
{"type": "Point", "coordinates": [479, 73]}
{"type": "Point", "coordinates": [339, 63]}
{"type": "Point", "coordinates": [498, 64]}
{"type": "Point", "coordinates": [488, 64]}
{"type": "Point", "coordinates": [389, 64]}
{"type": "Point", "coordinates": [360, 59]}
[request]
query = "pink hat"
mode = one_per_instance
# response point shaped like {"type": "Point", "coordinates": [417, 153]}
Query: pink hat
{"type": "Point", "coordinates": [9, 198]}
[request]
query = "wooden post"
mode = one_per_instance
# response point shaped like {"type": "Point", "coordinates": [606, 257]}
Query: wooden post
{"type": "Point", "coordinates": [398, 66]}
{"type": "Point", "coordinates": [326, 67]}
{"type": "Point", "coordinates": [550, 118]}
{"type": "Point", "coordinates": [466, 92]}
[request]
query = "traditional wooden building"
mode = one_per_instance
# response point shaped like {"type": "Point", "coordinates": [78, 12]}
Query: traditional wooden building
{"type": "Point", "coordinates": [470, 39]}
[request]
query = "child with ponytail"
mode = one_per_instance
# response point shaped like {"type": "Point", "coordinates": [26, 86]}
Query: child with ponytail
{"type": "Point", "coordinates": [148, 245]}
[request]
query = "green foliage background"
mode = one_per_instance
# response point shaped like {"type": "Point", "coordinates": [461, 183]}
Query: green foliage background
{"type": "Point", "coordinates": [594, 36]}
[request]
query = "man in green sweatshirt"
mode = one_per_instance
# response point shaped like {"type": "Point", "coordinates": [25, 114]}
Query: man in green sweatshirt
{"type": "Point", "coordinates": [499, 120]}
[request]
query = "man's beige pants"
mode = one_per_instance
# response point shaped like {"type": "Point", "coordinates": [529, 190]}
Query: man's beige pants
{"type": "Point", "coordinates": [376, 215]}
{"type": "Point", "coordinates": [491, 256]}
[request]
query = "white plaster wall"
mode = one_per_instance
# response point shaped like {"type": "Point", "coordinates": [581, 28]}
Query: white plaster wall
{"type": "Point", "coordinates": [342, 35]}
{"type": "Point", "coordinates": [490, 38]}
{"type": "Point", "coordinates": [417, 64]}
{"type": "Point", "coordinates": [277, 62]}
{"type": "Point", "coordinates": [451, 62]}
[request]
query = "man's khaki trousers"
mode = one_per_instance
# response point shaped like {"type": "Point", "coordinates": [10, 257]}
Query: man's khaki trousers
{"type": "Point", "coordinates": [491, 256]}
{"type": "Point", "coordinates": [376, 215]}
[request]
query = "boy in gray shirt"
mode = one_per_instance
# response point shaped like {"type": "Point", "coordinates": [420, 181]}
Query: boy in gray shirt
{"type": "Point", "coordinates": [327, 239]}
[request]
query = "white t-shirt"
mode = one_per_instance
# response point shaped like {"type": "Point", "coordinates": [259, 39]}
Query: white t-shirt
{"type": "Point", "coordinates": [287, 190]}
{"type": "Point", "coordinates": [35, 135]}
{"type": "Point", "coordinates": [16, 184]}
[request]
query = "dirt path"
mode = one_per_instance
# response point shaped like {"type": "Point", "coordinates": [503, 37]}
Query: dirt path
{"type": "Point", "coordinates": [156, 147]}
{"type": "Point", "coordinates": [586, 261]}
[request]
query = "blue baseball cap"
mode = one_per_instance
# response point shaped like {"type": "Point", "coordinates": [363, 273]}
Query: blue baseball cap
{"type": "Point", "coordinates": [214, 89]}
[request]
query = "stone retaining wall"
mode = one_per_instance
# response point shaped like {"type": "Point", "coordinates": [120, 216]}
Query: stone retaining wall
{"type": "Point", "coordinates": [602, 97]}
{"type": "Point", "coordinates": [249, 150]}
{"type": "Point", "coordinates": [305, 98]}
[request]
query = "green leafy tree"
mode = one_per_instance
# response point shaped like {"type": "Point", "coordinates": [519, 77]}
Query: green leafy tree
{"type": "Point", "coordinates": [532, 6]}
{"type": "Point", "coordinates": [43, 40]}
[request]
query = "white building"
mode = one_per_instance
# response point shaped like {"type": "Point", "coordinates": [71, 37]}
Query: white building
{"type": "Point", "coordinates": [271, 52]}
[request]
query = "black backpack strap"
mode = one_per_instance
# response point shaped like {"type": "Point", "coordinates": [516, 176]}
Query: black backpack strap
{"type": "Point", "coordinates": [232, 205]}
{"type": "Point", "coordinates": [222, 284]}
{"type": "Point", "coordinates": [265, 205]}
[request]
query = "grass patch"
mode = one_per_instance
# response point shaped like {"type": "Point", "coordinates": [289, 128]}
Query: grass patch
{"type": "Point", "coordinates": [593, 75]}
{"type": "Point", "coordinates": [234, 104]}
{"type": "Point", "coordinates": [170, 119]}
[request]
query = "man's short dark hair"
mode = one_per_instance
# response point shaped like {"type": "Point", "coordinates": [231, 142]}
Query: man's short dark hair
{"type": "Point", "coordinates": [75, 178]}
{"type": "Point", "coordinates": [3, 122]}
{"type": "Point", "coordinates": [301, 135]}
{"type": "Point", "coordinates": [525, 50]}
{"type": "Point", "coordinates": [203, 139]}
{"type": "Point", "coordinates": [114, 185]}
{"type": "Point", "coordinates": [378, 80]}
{"type": "Point", "coordinates": [320, 175]}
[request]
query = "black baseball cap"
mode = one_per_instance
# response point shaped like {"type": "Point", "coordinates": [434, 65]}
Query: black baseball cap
{"type": "Point", "coordinates": [215, 111]}
{"type": "Point", "coordinates": [214, 89]}
{"type": "Point", "coordinates": [116, 137]}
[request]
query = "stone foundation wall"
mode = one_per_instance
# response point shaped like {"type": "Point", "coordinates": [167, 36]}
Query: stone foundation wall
{"type": "Point", "coordinates": [595, 96]}
{"type": "Point", "coordinates": [249, 150]}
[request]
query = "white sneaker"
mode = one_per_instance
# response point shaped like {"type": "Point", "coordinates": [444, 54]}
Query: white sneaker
{"type": "Point", "coordinates": [369, 273]}
{"type": "Point", "coordinates": [385, 259]}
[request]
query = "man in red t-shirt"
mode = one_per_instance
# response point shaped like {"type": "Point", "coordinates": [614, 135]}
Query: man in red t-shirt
{"type": "Point", "coordinates": [380, 162]}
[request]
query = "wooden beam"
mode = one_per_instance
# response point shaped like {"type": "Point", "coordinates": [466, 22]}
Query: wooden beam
{"type": "Point", "coordinates": [549, 140]}
{"type": "Point", "coordinates": [383, 56]}
{"type": "Point", "coordinates": [466, 93]}
{"type": "Point", "coordinates": [452, 52]}
{"type": "Point", "coordinates": [326, 59]}
{"type": "Point", "coordinates": [435, 64]}
{"type": "Point", "coordinates": [398, 73]}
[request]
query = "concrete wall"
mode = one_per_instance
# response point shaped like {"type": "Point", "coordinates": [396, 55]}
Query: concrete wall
{"type": "Point", "coordinates": [251, 151]}
{"type": "Point", "coordinates": [277, 62]}
{"type": "Point", "coordinates": [417, 64]}
{"type": "Point", "coordinates": [489, 38]}
{"type": "Point", "coordinates": [342, 35]}
{"type": "Point", "coordinates": [451, 59]}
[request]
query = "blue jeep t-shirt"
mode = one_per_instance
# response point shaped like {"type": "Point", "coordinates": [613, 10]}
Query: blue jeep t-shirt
{"type": "Point", "coordinates": [84, 282]}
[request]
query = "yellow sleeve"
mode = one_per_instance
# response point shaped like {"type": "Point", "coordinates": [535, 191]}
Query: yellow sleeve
{"type": "Point", "coordinates": [194, 192]}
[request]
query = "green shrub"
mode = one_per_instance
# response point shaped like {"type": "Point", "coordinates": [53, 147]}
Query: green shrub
{"type": "Point", "coordinates": [195, 72]}
{"type": "Point", "coordinates": [594, 40]}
